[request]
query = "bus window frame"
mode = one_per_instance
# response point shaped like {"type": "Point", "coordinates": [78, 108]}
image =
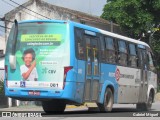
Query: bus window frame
{"type": "Point", "coordinates": [138, 53]}
{"type": "Point", "coordinates": [106, 49]}
{"type": "Point", "coordinates": [153, 61]}
{"type": "Point", "coordinates": [120, 52]}
{"type": "Point", "coordinates": [136, 50]}
{"type": "Point", "coordinates": [76, 44]}
{"type": "Point", "coordinates": [100, 49]}
{"type": "Point", "coordinates": [98, 45]}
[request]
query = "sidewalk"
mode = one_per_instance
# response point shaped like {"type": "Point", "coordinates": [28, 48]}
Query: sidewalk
{"type": "Point", "coordinates": [23, 108]}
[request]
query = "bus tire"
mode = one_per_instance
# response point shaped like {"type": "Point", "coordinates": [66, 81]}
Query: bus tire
{"type": "Point", "coordinates": [53, 106]}
{"type": "Point", "coordinates": [146, 106]}
{"type": "Point", "coordinates": [108, 101]}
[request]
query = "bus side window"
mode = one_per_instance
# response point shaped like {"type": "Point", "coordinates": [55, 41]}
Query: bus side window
{"type": "Point", "coordinates": [122, 53]}
{"type": "Point", "coordinates": [150, 62]}
{"type": "Point", "coordinates": [102, 49]}
{"type": "Point", "coordinates": [88, 54]}
{"type": "Point", "coordinates": [132, 61]}
{"type": "Point", "coordinates": [79, 44]}
{"type": "Point", "coordinates": [95, 55]}
{"type": "Point", "coordinates": [110, 50]}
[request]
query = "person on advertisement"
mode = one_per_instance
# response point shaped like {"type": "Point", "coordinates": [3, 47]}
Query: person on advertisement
{"type": "Point", "coordinates": [28, 70]}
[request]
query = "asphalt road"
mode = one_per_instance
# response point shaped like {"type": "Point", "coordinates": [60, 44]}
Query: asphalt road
{"type": "Point", "coordinates": [120, 112]}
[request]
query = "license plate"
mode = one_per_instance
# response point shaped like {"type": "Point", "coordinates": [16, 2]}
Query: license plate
{"type": "Point", "coordinates": [36, 93]}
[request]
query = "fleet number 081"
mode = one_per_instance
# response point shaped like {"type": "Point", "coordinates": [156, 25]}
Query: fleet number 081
{"type": "Point", "coordinates": [53, 84]}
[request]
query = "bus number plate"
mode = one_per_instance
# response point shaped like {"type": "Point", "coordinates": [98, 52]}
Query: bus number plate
{"type": "Point", "coordinates": [36, 93]}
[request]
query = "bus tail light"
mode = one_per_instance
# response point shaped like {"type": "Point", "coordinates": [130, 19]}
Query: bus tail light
{"type": "Point", "coordinates": [6, 75]}
{"type": "Point", "coordinates": [66, 69]}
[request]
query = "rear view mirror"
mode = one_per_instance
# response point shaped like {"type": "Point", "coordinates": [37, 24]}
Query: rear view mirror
{"type": "Point", "coordinates": [12, 61]}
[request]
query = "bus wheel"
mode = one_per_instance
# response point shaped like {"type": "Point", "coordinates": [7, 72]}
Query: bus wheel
{"type": "Point", "coordinates": [146, 106]}
{"type": "Point", "coordinates": [108, 101]}
{"type": "Point", "coordinates": [53, 106]}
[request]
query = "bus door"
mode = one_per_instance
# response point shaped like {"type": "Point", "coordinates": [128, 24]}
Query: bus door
{"type": "Point", "coordinates": [92, 69]}
{"type": "Point", "coordinates": [143, 79]}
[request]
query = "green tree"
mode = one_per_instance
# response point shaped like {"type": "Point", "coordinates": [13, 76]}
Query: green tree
{"type": "Point", "coordinates": [135, 17]}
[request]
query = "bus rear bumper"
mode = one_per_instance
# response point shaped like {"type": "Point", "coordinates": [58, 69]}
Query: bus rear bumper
{"type": "Point", "coordinates": [29, 93]}
{"type": "Point", "coordinates": [36, 94]}
{"type": "Point", "coordinates": [42, 93]}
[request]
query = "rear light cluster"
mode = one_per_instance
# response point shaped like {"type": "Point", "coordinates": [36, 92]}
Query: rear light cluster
{"type": "Point", "coordinates": [66, 69]}
{"type": "Point", "coordinates": [6, 75]}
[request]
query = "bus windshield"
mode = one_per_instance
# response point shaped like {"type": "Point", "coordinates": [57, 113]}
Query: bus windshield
{"type": "Point", "coordinates": [41, 52]}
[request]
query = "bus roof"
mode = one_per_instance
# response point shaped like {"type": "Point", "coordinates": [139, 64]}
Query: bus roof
{"type": "Point", "coordinates": [124, 38]}
{"type": "Point", "coordinates": [113, 34]}
{"type": "Point", "coordinates": [28, 21]}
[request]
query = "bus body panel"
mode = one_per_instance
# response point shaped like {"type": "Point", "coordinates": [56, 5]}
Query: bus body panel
{"type": "Point", "coordinates": [83, 93]}
{"type": "Point", "coordinates": [108, 78]}
{"type": "Point", "coordinates": [12, 80]}
{"type": "Point", "coordinates": [78, 68]}
{"type": "Point", "coordinates": [128, 80]}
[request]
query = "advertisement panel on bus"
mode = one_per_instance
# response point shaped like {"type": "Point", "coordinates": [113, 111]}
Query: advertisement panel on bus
{"type": "Point", "coordinates": [41, 54]}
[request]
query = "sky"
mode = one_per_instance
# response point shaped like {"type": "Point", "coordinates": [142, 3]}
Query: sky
{"type": "Point", "coordinates": [93, 7]}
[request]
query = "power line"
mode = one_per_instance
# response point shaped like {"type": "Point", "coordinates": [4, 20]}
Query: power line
{"type": "Point", "coordinates": [4, 27]}
{"type": "Point", "coordinates": [28, 9]}
{"type": "Point", "coordinates": [3, 19]}
{"type": "Point", "coordinates": [22, 10]}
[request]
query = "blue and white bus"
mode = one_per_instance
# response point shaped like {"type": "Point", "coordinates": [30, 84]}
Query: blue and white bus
{"type": "Point", "coordinates": [63, 62]}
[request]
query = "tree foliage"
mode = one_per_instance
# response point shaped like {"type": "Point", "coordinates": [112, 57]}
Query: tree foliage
{"type": "Point", "coordinates": [134, 16]}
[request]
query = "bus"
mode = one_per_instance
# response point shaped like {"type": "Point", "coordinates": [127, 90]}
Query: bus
{"type": "Point", "coordinates": [64, 62]}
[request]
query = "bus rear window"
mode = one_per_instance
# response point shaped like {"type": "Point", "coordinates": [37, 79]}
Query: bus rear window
{"type": "Point", "coordinates": [46, 34]}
